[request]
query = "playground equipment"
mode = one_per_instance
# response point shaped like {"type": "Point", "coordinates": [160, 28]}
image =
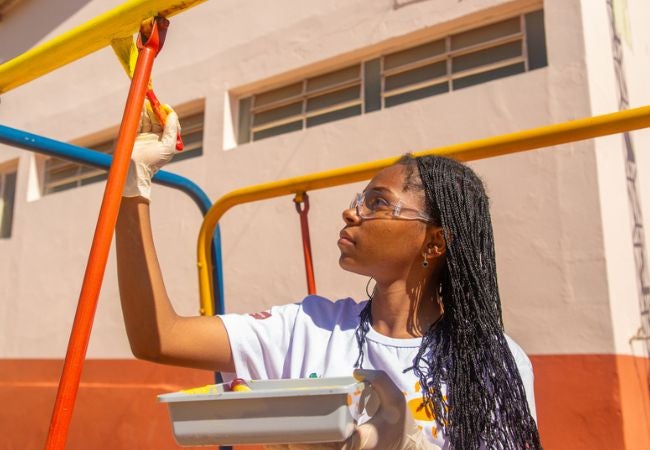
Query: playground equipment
{"type": "Point", "coordinates": [482, 148]}
{"type": "Point", "coordinates": [121, 23]}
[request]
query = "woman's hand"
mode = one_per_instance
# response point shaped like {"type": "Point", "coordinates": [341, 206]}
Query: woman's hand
{"type": "Point", "coordinates": [153, 148]}
{"type": "Point", "coordinates": [392, 427]}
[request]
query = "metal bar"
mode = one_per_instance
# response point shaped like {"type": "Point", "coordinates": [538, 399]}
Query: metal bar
{"type": "Point", "coordinates": [120, 22]}
{"type": "Point", "coordinates": [520, 141]}
{"type": "Point", "coordinates": [80, 335]}
{"type": "Point", "coordinates": [301, 201]}
{"type": "Point", "coordinates": [51, 147]}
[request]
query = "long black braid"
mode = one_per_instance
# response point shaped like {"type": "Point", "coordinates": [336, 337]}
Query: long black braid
{"type": "Point", "coordinates": [466, 351]}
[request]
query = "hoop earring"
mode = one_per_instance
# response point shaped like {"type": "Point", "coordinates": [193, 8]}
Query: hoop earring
{"type": "Point", "coordinates": [367, 290]}
{"type": "Point", "coordinates": [425, 263]}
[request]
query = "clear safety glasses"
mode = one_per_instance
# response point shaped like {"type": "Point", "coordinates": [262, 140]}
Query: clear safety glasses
{"type": "Point", "coordinates": [374, 205]}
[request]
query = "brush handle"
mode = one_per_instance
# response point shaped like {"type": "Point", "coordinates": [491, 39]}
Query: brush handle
{"type": "Point", "coordinates": [161, 114]}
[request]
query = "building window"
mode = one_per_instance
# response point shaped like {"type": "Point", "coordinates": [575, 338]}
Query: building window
{"type": "Point", "coordinates": [456, 61]}
{"type": "Point", "coordinates": [60, 174]}
{"type": "Point", "coordinates": [312, 101]}
{"type": "Point", "coordinates": [7, 197]}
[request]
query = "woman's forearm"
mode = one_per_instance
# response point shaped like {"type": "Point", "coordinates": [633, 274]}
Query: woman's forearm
{"type": "Point", "coordinates": [155, 331]}
{"type": "Point", "coordinates": [145, 304]}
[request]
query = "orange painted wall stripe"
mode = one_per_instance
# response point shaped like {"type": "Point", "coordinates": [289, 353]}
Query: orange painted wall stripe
{"type": "Point", "coordinates": [589, 402]}
{"type": "Point", "coordinates": [116, 405]}
{"type": "Point", "coordinates": [583, 402]}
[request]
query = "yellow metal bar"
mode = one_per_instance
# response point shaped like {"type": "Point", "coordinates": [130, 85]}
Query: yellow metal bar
{"type": "Point", "coordinates": [520, 141]}
{"type": "Point", "coordinates": [118, 23]}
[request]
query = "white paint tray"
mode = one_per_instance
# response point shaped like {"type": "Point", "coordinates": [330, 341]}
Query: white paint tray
{"type": "Point", "coordinates": [305, 410]}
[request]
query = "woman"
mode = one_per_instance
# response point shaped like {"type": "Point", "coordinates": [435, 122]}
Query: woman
{"type": "Point", "coordinates": [421, 229]}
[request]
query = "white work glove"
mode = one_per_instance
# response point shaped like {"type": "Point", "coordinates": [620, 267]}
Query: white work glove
{"type": "Point", "coordinates": [153, 148]}
{"type": "Point", "coordinates": [392, 427]}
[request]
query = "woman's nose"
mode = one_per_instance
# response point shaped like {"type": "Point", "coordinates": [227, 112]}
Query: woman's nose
{"type": "Point", "coordinates": [350, 216]}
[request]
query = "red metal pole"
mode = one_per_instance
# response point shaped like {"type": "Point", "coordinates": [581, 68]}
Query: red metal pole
{"type": "Point", "coordinates": [303, 198]}
{"type": "Point", "coordinates": [80, 334]}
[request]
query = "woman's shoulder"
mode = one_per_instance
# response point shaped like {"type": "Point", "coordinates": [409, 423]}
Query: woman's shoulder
{"type": "Point", "coordinates": [520, 356]}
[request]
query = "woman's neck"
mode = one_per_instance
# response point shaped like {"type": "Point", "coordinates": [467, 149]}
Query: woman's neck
{"type": "Point", "coordinates": [400, 311]}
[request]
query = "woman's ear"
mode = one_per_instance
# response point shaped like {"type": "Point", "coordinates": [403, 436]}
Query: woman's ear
{"type": "Point", "coordinates": [436, 244]}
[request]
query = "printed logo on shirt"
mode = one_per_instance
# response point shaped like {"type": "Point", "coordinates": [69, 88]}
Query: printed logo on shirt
{"type": "Point", "coordinates": [261, 315]}
{"type": "Point", "coordinates": [422, 415]}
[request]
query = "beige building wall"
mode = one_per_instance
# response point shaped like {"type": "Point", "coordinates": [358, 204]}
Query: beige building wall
{"type": "Point", "coordinates": [561, 215]}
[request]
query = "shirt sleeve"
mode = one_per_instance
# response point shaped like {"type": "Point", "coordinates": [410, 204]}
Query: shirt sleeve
{"type": "Point", "coordinates": [260, 342]}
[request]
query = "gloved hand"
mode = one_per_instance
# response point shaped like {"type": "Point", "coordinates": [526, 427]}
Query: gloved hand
{"type": "Point", "coordinates": [392, 427]}
{"type": "Point", "coordinates": [154, 147]}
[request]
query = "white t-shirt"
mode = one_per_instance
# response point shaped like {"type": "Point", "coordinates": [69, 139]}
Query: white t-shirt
{"type": "Point", "coordinates": [317, 338]}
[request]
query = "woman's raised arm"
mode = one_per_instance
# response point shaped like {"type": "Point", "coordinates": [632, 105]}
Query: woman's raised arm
{"type": "Point", "coordinates": [156, 333]}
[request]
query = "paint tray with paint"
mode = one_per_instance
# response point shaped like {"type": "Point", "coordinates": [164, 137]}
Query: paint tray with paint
{"type": "Point", "coordinates": [305, 410]}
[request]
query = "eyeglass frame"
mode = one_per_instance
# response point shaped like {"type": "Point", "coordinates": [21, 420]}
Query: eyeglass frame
{"type": "Point", "coordinates": [359, 200]}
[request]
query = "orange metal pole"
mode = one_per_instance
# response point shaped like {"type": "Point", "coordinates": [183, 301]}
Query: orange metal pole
{"type": "Point", "coordinates": [80, 334]}
{"type": "Point", "coordinates": [303, 198]}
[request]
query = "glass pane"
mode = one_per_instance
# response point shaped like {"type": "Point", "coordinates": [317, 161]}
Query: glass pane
{"type": "Point", "coordinates": [244, 129]}
{"type": "Point", "coordinates": [486, 33]}
{"type": "Point", "coordinates": [192, 131]}
{"type": "Point", "coordinates": [88, 172]}
{"type": "Point", "coordinates": [417, 94]}
{"type": "Point", "coordinates": [372, 85]}
{"type": "Point", "coordinates": [192, 123]}
{"type": "Point", "coordinates": [488, 76]}
{"type": "Point", "coordinates": [57, 172]}
{"type": "Point", "coordinates": [187, 153]}
{"type": "Point", "coordinates": [293, 109]}
{"type": "Point", "coordinates": [414, 54]}
{"type": "Point", "coordinates": [277, 95]}
{"type": "Point", "coordinates": [419, 75]}
{"type": "Point", "coordinates": [334, 98]}
{"type": "Point", "coordinates": [63, 187]}
{"type": "Point", "coordinates": [536, 40]}
{"type": "Point", "coordinates": [53, 164]}
{"type": "Point", "coordinates": [334, 115]}
{"type": "Point", "coordinates": [286, 128]}
{"type": "Point", "coordinates": [94, 179]}
{"type": "Point", "coordinates": [334, 78]}
{"type": "Point", "coordinates": [487, 56]}
{"type": "Point", "coordinates": [7, 204]}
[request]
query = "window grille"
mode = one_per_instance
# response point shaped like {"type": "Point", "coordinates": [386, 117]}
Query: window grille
{"type": "Point", "coordinates": [61, 174]}
{"type": "Point", "coordinates": [312, 101]}
{"type": "Point", "coordinates": [456, 61]}
{"type": "Point", "coordinates": [7, 197]}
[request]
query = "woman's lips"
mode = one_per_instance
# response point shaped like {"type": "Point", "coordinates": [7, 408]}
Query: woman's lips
{"type": "Point", "coordinates": [345, 239]}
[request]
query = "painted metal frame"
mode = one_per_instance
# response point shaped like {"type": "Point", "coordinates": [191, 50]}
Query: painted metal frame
{"type": "Point", "coordinates": [120, 22]}
{"type": "Point", "coordinates": [51, 147]}
{"type": "Point", "coordinates": [520, 141]}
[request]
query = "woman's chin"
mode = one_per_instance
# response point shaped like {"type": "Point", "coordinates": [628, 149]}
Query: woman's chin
{"type": "Point", "coordinates": [349, 265]}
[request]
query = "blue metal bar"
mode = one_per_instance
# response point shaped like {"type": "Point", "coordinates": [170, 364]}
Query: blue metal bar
{"type": "Point", "coordinates": [51, 147]}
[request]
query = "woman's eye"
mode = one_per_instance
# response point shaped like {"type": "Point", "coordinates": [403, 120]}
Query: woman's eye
{"type": "Point", "coordinates": [378, 203]}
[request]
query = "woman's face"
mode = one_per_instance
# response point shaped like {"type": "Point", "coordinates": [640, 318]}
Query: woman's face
{"type": "Point", "coordinates": [385, 247]}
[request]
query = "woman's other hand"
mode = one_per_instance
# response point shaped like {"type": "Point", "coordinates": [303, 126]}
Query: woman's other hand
{"type": "Point", "coordinates": [392, 427]}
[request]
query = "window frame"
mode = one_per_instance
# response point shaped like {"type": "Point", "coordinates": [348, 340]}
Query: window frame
{"type": "Point", "coordinates": [7, 208]}
{"type": "Point", "coordinates": [501, 66]}
{"type": "Point", "coordinates": [85, 175]}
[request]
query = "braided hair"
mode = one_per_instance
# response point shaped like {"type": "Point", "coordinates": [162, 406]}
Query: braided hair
{"type": "Point", "coordinates": [466, 351]}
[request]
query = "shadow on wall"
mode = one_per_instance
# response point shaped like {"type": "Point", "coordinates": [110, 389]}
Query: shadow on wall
{"type": "Point", "coordinates": [24, 23]}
